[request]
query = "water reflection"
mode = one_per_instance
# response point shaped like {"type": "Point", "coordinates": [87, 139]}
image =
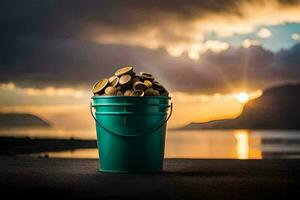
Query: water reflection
{"type": "Point", "coordinates": [242, 144]}
{"type": "Point", "coordinates": [55, 132]}
{"type": "Point", "coordinates": [233, 144]}
{"type": "Point", "coordinates": [281, 146]}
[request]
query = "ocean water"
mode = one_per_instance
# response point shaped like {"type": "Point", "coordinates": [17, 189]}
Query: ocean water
{"type": "Point", "coordinates": [208, 144]}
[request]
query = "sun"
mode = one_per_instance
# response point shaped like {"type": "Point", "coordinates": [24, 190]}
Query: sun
{"type": "Point", "coordinates": [242, 97]}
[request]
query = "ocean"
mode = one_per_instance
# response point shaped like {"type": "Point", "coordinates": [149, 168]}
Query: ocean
{"type": "Point", "coordinates": [204, 144]}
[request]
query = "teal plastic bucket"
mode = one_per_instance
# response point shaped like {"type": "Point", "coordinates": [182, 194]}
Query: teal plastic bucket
{"type": "Point", "coordinates": [131, 132]}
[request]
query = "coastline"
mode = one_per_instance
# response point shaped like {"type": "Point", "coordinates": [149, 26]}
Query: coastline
{"type": "Point", "coordinates": [23, 145]}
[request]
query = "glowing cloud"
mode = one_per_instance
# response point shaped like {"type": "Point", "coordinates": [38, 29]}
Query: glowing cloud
{"type": "Point", "coordinates": [52, 91]}
{"type": "Point", "coordinates": [47, 91]}
{"type": "Point", "coordinates": [264, 33]}
{"type": "Point", "coordinates": [7, 86]}
{"type": "Point", "coordinates": [248, 43]}
{"type": "Point", "coordinates": [178, 33]}
{"type": "Point", "coordinates": [213, 45]}
{"type": "Point", "coordinates": [295, 36]}
{"type": "Point", "coordinates": [216, 46]}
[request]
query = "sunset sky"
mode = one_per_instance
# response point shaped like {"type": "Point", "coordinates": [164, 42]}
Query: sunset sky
{"type": "Point", "coordinates": [211, 55]}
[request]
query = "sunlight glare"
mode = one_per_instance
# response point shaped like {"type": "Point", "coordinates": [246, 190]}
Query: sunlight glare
{"type": "Point", "coordinates": [242, 146]}
{"type": "Point", "coordinates": [243, 97]}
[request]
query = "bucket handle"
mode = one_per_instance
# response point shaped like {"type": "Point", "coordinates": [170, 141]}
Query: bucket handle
{"type": "Point", "coordinates": [148, 132]}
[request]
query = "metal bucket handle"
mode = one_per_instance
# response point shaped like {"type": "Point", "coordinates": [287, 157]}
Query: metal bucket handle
{"type": "Point", "coordinates": [148, 132]}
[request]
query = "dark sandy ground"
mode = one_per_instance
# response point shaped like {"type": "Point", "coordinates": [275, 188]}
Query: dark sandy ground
{"type": "Point", "coordinates": [42, 178]}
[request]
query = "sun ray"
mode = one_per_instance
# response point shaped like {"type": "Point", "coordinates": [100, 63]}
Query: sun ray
{"type": "Point", "coordinates": [243, 97]}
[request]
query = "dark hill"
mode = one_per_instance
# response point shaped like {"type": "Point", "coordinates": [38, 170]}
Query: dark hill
{"type": "Point", "coordinates": [277, 108]}
{"type": "Point", "coordinates": [15, 119]}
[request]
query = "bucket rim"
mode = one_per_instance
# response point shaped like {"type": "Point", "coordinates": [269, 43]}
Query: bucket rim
{"type": "Point", "coordinates": [130, 97]}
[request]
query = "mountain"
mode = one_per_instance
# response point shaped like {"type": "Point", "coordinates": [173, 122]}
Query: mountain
{"type": "Point", "coordinates": [277, 108]}
{"type": "Point", "coordinates": [15, 119]}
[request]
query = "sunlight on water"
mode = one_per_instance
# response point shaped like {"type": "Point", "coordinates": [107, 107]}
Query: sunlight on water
{"type": "Point", "coordinates": [242, 144]}
{"type": "Point", "coordinates": [48, 133]}
{"type": "Point", "coordinates": [213, 144]}
{"type": "Point", "coordinates": [233, 144]}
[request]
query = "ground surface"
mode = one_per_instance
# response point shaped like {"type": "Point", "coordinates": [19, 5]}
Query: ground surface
{"type": "Point", "coordinates": [182, 179]}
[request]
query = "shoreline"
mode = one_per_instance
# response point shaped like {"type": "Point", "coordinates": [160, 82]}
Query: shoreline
{"type": "Point", "coordinates": [23, 145]}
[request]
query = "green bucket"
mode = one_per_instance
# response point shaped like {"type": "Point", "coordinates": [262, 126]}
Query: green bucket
{"type": "Point", "coordinates": [131, 132]}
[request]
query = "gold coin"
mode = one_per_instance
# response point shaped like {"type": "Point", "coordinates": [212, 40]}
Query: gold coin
{"type": "Point", "coordinates": [110, 90]}
{"type": "Point", "coordinates": [156, 93]}
{"type": "Point", "coordinates": [119, 93]}
{"type": "Point", "coordinates": [99, 86]}
{"type": "Point", "coordinates": [137, 93]}
{"type": "Point", "coordinates": [147, 76]}
{"type": "Point", "coordinates": [139, 86]}
{"type": "Point", "coordinates": [165, 93]}
{"type": "Point", "coordinates": [152, 92]}
{"type": "Point", "coordinates": [126, 82]}
{"type": "Point", "coordinates": [148, 83]}
{"type": "Point", "coordinates": [128, 92]}
{"type": "Point", "coordinates": [125, 79]}
{"type": "Point", "coordinates": [145, 73]}
{"type": "Point", "coordinates": [113, 81]}
{"type": "Point", "coordinates": [135, 79]}
{"type": "Point", "coordinates": [157, 85]}
{"type": "Point", "coordinates": [140, 77]}
{"type": "Point", "coordinates": [119, 88]}
{"type": "Point", "coordinates": [123, 71]}
{"type": "Point", "coordinates": [149, 92]}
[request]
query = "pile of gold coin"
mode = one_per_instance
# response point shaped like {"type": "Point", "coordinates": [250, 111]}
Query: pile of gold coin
{"type": "Point", "coordinates": [125, 82]}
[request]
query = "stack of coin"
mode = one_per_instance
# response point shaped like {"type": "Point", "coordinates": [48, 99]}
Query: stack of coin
{"type": "Point", "coordinates": [125, 82]}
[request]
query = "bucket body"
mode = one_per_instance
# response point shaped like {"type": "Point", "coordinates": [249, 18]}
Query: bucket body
{"type": "Point", "coordinates": [131, 132]}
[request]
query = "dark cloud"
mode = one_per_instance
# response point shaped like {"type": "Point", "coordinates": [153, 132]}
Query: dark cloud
{"type": "Point", "coordinates": [38, 63]}
{"type": "Point", "coordinates": [49, 43]}
{"type": "Point", "coordinates": [75, 18]}
{"type": "Point", "coordinates": [68, 18]}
